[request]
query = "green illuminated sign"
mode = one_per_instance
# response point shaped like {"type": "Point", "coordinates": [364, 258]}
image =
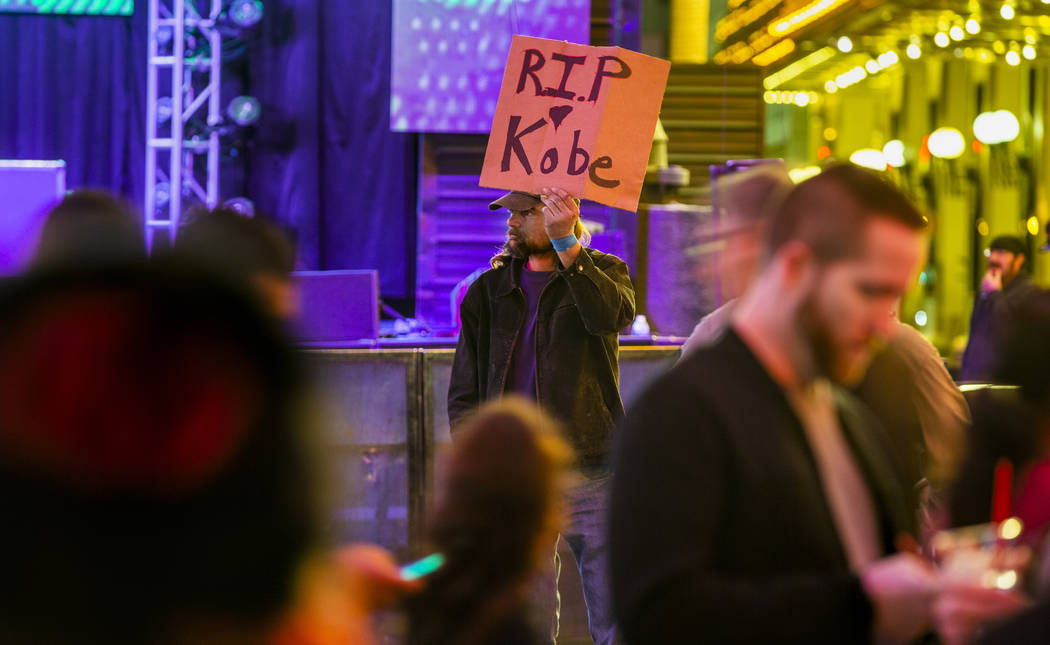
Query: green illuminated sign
{"type": "Point", "coordinates": [77, 7]}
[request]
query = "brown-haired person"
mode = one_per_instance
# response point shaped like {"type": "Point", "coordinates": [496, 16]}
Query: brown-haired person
{"type": "Point", "coordinates": [754, 500]}
{"type": "Point", "coordinates": [87, 228]}
{"type": "Point", "coordinates": [543, 323]}
{"type": "Point", "coordinates": [498, 511]}
{"type": "Point", "coordinates": [250, 250]}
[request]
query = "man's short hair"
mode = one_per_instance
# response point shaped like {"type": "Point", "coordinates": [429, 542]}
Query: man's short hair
{"type": "Point", "coordinates": [752, 195]}
{"type": "Point", "coordinates": [828, 212]}
{"type": "Point", "coordinates": [90, 227]}
{"type": "Point", "coordinates": [228, 242]}
{"type": "Point", "coordinates": [1010, 244]}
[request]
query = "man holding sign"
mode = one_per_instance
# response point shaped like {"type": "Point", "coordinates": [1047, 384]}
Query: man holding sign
{"type": "Point", "coordinates": [543, 324]}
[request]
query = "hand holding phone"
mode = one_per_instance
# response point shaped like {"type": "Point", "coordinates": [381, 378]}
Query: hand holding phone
{"type": "Point", "coordinates": [422, 567]}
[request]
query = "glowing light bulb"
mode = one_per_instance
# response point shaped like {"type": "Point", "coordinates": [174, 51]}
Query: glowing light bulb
{"type": "Point", "coordinates": [869, 158]}
{"type": "Point", "coordinates": [844, 44]}
{"type": "Point", "coordinates": [1028, 52]}
{"type": "Point", "coordinates": [1007, 12]}
{"type": "Point", "coordinates": [941, 39]}
{"type": "Point", "coordinates": [1013, 58]}
{"type": "Point", "coordinates": [946, 143]}
{"type": "Point", "coordinates": [956, 33]}
{"type": "Point", "coordinates": [913, 51]}
{"type": "Point", "coordinates": [973, 27]}
{"type": "Point", "coordinates": [893, 152]}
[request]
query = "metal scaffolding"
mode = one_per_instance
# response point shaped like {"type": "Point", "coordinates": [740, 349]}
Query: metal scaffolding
{"type": "Point", "coordinates": [184, 73]}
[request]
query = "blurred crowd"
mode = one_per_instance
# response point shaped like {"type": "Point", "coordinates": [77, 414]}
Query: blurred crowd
{"type": "Point", "coordinates": [808, 472]}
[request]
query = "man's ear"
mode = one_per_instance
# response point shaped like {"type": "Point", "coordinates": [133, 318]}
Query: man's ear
{"type": "Point", "coordinates": [797, 262]}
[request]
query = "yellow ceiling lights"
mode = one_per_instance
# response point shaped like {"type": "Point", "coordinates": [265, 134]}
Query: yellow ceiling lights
{"type": "Point", "coordinates": [785, 74]}
{"type": "Point", "coordinates": [804, 16]}
{"type": "Point", "coordinates": [774, 53]}
{"type": "Point", "coordinates": [857, 74]}
{"type": "Point", "coordinates": [740, 18]}
{"type": "Point", "coordinates": [801, 99]}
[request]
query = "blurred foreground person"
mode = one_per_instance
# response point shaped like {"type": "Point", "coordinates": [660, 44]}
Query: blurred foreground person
{"type": "Point", "coordinates": [754, 500]}
{"type": "Point", "coordinates": [1013, 425]}
{"type": "Point", "coordinates": [1004, 284]}
{"type": "Point", "coordinates": [156, 477]}
{"type": "Point", "coordinates": [87, 228]}
{"type": "Point", "coordinates": [249, 250]}
{"type": "Point", "coordinates": [748, 200]}
{"type": "Point", "coordinates": [907, 386]}
{"type": "Point", "coordinates": [498, 511]}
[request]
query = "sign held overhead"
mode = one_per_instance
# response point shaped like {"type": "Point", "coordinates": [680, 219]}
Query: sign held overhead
{"type": "Point", "coordinates": [577, 117]}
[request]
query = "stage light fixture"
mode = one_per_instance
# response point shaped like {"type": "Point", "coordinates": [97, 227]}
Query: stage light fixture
{"type": "Point", "coordinates": [244, 110]}
{"type": "Point", "coordinates": [1007, 12]}
{"type": "Point", "coordinates": [941, 39]}
{"type": "Point", "coordinates": [844, 44]}
{"type": "Point", "coordinates": [245, 13]}
{"type": "Point", "coordinates": [242, 205]}
{"type": "Point", "coordinates": [972, 26]}
{"type": "Point", "coordinates": [164, 109]}
{"type": "Point", "coordinates": [1013, 58]}
{"type": "Point", "coordinates": [1028, 52]}
{"type": "Point", "coordinates": [956, 33]}
{"type": "Point", "coordinates": [913, 51]}
{"type": "Point", "coordinates": [162, 193]}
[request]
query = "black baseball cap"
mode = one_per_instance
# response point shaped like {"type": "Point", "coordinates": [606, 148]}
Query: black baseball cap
{"type": "Point", "coordinates": [1009, 243]}
{"type": "Point", "coordinates": [516, 200]}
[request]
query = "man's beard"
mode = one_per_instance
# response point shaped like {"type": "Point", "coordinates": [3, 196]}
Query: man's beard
{"type": "Point", "coordinates": [522, 249]}
{"type": "Point", "coordinates": [829, 359]}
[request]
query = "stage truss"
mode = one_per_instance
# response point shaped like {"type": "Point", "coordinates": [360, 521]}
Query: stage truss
{"type": "Point", "coordinates": [183, 110]}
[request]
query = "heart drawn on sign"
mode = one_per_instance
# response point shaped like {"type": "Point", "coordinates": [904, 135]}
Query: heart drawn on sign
{"type": "Point", "coordinates": [558, 114]}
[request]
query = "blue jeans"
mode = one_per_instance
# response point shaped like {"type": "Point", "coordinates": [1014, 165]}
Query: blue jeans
{"type": "Point", "coordinates": [586, 534]}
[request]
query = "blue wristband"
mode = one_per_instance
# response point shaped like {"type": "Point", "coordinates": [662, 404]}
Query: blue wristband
{"type": "Point", "coordinates": [564, 243]}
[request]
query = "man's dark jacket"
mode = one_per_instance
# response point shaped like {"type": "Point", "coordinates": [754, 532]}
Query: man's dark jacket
{"type": "Point", "coordinates": [989, 313]}
{"type": "Point", "coordinates": [580, 313]}
{"type": "Point", "coordinates": [720, 528]}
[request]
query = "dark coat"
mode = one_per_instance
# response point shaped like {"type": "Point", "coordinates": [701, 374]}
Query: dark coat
{"type": "Point", "coordinates": [720, 528]}
{"type": "Point", "coordinates": [986, 321]}
{"type": "Point", "coordinates": [580, 313]}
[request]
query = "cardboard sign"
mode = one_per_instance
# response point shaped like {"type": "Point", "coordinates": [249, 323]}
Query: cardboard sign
{"type": "Point", "coordinates": [576, 117]}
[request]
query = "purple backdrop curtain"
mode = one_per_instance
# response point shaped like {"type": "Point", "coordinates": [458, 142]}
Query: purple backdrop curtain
{"type": "Point", "coordinates": [74, 89]}
{"type": "Point", "coordinates": [324, 158]}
